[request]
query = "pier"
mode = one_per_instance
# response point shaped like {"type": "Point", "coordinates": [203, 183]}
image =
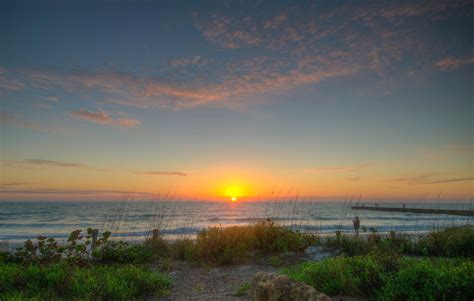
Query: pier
{"type": "Point", "coordinates": [416, 210]}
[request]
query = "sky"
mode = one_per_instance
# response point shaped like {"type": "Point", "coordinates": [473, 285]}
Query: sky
{"type": "Point", "coordinates": [219, 99]}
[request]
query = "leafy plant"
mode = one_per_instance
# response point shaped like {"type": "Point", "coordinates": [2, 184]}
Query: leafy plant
{"type": "Point", "coordinates": [49, 251]}
{"type": "Point", "coordinates": [243, 289]}
{"type": "Point", "coordinates": [123, 252]}
{"type": "Point", "coordinates": [274, 261]}
{"type": "Point", "coordinates": [382, 276]}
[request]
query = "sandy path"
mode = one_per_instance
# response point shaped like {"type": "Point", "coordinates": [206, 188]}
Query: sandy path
{"type": "Point", "coordinates": [218, 283]}
{"type": "Point", "coordinates": [195, 282]}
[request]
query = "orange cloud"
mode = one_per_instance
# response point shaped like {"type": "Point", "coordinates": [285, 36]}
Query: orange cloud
{"type": "Point", "coordinates": [451, 63]}
{"type": "Point", "coordinates": [104, 118]}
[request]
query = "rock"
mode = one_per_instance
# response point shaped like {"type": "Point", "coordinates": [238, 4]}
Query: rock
{"type": "Point", "coordinates": [275, 287]}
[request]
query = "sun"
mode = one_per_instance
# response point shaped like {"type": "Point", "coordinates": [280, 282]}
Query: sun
{"type": "Point", "coordinates": [233, 199]}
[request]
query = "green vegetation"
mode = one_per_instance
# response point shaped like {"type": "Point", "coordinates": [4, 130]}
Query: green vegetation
{"type": "Point", "coordinates": [46, 269]}
{"type": "Point", "coordinates": [449, 242]}
{"type": "Point", "coordinates": [236, 244]}
{"type": "Point", "coordinates": [61, 281]}
{"type": "Point", "coordinates": [49, 251]}
{"type": "Point", "coordinates": [243, 289]}
{"type": "Point", "coordinates": [274, 261]}
{"type": "Point", "coordinates": [123, 252]}
{"type": "Point", "coordinates": [388, 277]}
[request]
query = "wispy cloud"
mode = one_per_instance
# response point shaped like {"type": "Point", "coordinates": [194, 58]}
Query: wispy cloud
{"type": "Point", "coordinates": [196, 60]}
{"type": "Point", "coordinates": [451, 63]}
{"type": "Point", "coordinates": [448, 150]}
{"type": "Point", "coordinates": [295, 46]}
{"type": "Point", "coordinates": [429, 178]}
{"type": "Point", "coordinates": [19, 121]}
{"type": "Point", "coordinates": [8, 84]}
{"type": "Point", "coordinates": [162, 173]}
{"type": "Point", "coordinates": [15, 184]}
{"type": "Point", "coordinates": [102, 117]}
{"type": "Point", "coordinates": [449, 180]}
{"type": "Point", "coordinates": [50, 98]}
{"type": "Point", "coordinates": [41, 162]}
{"type": "Point", "coordinates": [70, 192]}
{"type": "Point", "coordinates": [340, 169]}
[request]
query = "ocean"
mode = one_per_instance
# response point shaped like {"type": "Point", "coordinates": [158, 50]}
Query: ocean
{"type": "Point", "coordinates": [134, 220]}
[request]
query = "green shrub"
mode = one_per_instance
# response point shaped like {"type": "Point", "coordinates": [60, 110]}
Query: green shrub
{"type": "Point", "coordinates": [354, 276]}
{"type": "Point", "coordinates": [274, 261]}
{"type": "Point", "coordinates": [450, 242]}
{"type": "Point", "coordinates": [46, 250]}
{"type": "Point", "coordinates": [381, 276]}
{"type": "Point", "coordinates": [62, 281]}
{"type": "Point", "coordinates": [243, 289]}
{"type": "Point", "coordinates": [350, 245]}
{"type": "Point", "coordinates": [123, 252]}
{"type": "Point", "coordinates": [430, 280]}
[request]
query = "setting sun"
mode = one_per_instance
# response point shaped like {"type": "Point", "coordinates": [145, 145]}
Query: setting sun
{"type": "Point", "coordinates": [234, 191]}
{"type": "Point", "coordinates": [233, 199]}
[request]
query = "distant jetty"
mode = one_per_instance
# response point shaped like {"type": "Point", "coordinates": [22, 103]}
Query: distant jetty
{"type": "Point", "coordinates": [416, 210]}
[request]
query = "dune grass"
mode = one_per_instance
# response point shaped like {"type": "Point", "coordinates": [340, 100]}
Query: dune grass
{"type": "Point", "coordinates": [229, 245]}
{"type": "Point", "coordinates": [449, 242]}
{"type": "Point", "coordinates": [388, 277]}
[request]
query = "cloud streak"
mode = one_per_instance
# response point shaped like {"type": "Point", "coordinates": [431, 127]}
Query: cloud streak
{"type": "Point", "coordinates": [46, 191]}
{"type": "Point", "coordinates": [104, 118]}
{"type": "Point", "coordinates": [196, 60]}
{"type": "Point", "coordinates": [340, 169]}
{"type": "Point", "coordinates": [162, 173]}
{"type": "Point", "coordinates": [41, 162]}
{"type": "Point", "coordinates": [18, 121]}
{"type": "Point", "coordinates": [451, 63]}
{"type": "Point", "coordinates": [429, 178]}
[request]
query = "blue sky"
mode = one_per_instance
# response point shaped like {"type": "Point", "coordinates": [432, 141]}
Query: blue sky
{"type": "Point", "coordinates": [331, 97]}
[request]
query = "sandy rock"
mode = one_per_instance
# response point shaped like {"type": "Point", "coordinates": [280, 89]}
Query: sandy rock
{"type": "Point", "coordinates": [275, 287]}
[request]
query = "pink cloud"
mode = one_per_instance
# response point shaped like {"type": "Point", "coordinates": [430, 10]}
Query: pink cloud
{"type": "Point", "coordinates": [104, 118]}
{"type": "Point", "coordinates": [298, 46]}
{"type": "Point", "coordinates": [451, 63]}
